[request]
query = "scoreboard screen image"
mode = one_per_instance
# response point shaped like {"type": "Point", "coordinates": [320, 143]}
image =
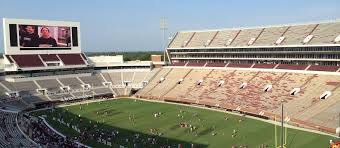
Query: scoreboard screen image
{"type": "Point", "coordinates": [39, 36]}
{"type": "Point", "coordinates": [26, 36]}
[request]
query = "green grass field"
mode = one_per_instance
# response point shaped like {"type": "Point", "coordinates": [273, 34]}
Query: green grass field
{"type": "Point", "coordinates": [114, 114]}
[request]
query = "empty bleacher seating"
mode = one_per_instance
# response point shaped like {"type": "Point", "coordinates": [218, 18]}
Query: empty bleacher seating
{"type": "Point", "coordinates": [139, 77]}
{"type": "Point", "coordinates": [263, 91]}
{"type": "Point", "coordinates": [239, 65]}
{"type": "Point", "coordinates": [24, 61]}
{"type": "Point", "coordinates": [154, 81]}
{"type": "Point", "coordinates": [270, 35]}
{"type": "Point", "coordinates": [116, 78]}
{"type": "Point", "coordinates": [215, 65]}
{"type": "Point", "coordinates": [21, 86]}
{"type": "Point", "coordinates": [265, 66]}
{"type": "Point", "coordinates": [182, 38]}
{"type": "Point", "coordinates": [171, 80]}
{"type": "Point", "coordinates": [196, 64]}
{"type": "Point", "coordinates": [325, 33]}
{"type": "Point", "coordinates": [292, 67]}
{"type": "Point", "coordinates": [127, 76]}
{"type": "Point", "coordinates": [323, 68]}
{"type": "Point", "coordinates": [102, 91]}
{"type": "Point", "coordinates": [71, 59]}
{"type": "Point", "coordinates": [200, 39]}
{"type": "Point", "coordinates": [245, 35]}
{"type": "Point", "coordinates": [222, 37]}
{"type": "Point", "coordinates": [49, 57]}
{"type": "Point", "coordinates": [51, 85]}
{"type": "Point", "coordinates": [296, 34]}
{"type": "Point", "coordinates": [73, 83]}
{"type": "Point", "coordinates": [94, 80]}
{"type": "Point", "coordinates": [178, 64]}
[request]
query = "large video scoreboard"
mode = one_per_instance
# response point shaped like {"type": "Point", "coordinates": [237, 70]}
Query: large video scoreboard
{"type": "Point", "coordinates": [22, 36]}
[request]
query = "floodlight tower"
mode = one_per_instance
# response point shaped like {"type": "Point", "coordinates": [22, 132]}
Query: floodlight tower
{"type": "Point", "coordinates": [282, 130]}
{"type": "Point", "coordinates": [338, 129]}
{"type": "Point", "coordinates": [283, 134]}
{"type": "Point", "coordinates": [163, 27]}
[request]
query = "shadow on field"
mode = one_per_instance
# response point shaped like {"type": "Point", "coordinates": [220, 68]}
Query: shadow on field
{"type": "Point", "coordinates": [99, 134]}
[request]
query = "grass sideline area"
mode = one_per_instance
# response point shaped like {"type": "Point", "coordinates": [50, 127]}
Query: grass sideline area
{"type": "Point", "coordinates": [174, 124]}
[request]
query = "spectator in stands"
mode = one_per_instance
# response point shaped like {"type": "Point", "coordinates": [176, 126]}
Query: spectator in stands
{"type": "Point", "coordinates": [29, 38]}
{"type": "Point", "coordinates": [45, 39]}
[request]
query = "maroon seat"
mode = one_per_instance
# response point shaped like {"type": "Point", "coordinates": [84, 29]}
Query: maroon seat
{"type": "Point", "coordinates": [292, 67]}
{"type": "Point", "coordinates": [266, 66]}
{"type": "Point", "coordinates": [239, 65]}
{"type": "Point", "coordinates": [28, 60]}
{"type": "Point", "coordinates": [178, 64]}
{"type": "Point", "coordinates": [71, 59]}
{"type": "Point", "coordinates": [215, 65]}
{"type": "Point", "coordinates": [323, 68]}
{"type": "Point", "coordinates": [196, 64]}
{"type": "Point", "coordinates": [49, 57]}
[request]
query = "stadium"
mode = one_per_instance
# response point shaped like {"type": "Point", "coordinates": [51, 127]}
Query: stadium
{"type": "Point", "coordinates": [263, 86]}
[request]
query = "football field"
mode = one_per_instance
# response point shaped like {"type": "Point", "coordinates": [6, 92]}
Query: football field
{"type": "Point", "coordinates": [129, 122]}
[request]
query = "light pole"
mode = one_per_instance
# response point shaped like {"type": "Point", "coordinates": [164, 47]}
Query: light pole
{"type": "Point", "coordinates": [338, 129]}
{"type": "Point", "coordinates": [163, 27]}
{"type": "Point", "coordinates": [282, 128]}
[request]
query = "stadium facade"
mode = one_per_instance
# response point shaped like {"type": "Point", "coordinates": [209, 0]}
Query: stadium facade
{"type": "Point", "coordinates": [280, 46]}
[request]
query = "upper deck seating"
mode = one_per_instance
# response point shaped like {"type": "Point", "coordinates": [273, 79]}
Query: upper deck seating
{"type": "Point", "coordinates": [222, 38]}
{"type": "Point", "coordinates": [245, 36]}
{"type": "Point", "coordinates": [49, 57]}
{"type": "Point", "coordinates": [71, 59]}
{"type": "Point", "coordinates": [200, 39]}
{"type": "Point", "coordinates": [25, 61]}
{"type": "Point", "coordinates": [325, 33]}
{"type": "Point", "coordinates": [270, 35]}
{"type": "Point", "coordinates": [296, 34]}
{"type": "Point", "coordinates": [182, 38]}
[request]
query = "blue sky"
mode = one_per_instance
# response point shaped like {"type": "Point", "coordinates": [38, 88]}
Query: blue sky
{"type": "Point", "coordinates": [133, 25]}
